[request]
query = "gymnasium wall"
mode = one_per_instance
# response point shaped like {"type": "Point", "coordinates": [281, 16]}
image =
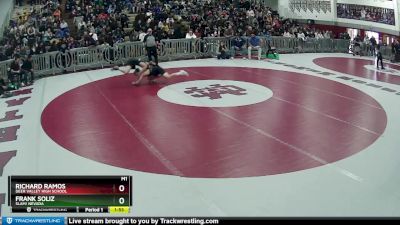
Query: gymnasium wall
{"type": "Point", "coordinates": [6, 7]}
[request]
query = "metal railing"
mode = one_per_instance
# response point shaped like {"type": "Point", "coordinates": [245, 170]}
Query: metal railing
{"type": "Point", "coordinates": [172, 49]}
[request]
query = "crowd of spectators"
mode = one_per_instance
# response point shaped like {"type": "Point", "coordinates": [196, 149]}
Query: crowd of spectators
{"type": "Point", "coordinates": [367, 13]}
{"type": "Point", "coordinates": [207, 18]}
{"type": "Point", "coordinates": [99, 21]}
{"type": "Point", "coordinates": [105, 22]}
{"type": "Point", "coordinates": [85, 23]}
{"type": "Point", "coordinates": [36, 31]}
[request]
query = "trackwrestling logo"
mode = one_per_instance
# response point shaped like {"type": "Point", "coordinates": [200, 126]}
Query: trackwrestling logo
{"type": "Point", "coordinates": [33, 220]}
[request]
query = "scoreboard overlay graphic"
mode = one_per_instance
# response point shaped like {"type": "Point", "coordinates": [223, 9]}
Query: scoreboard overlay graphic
{"type": "Point", "coordinates": [59, 194]}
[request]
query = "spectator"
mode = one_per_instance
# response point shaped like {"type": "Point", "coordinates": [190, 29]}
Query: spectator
{"type": "Point", "coordinates": [57, 13]}
{"type": "Point", "coordinates": [142, 34]}
{"type": "Point", "coordinates": [366, 39]}
{"type": "Point", "coordinates": [319, 35]}
{"type": "Point", "coordinates": [17, 77]}
{"type": "Point", "coordinates": [254, 43]}
{"type": "Point", "coordinates": [94, 37]}
{"type": "Point", "coordinates": [373, 42]}
{"type": "Point", "coordinates": [327, 34]}
{"type": "Point", "coordinates": [229, 32]}
{"type": "Point", "coordinates": [63, 25]}
{"type": "Point", "coordinates": [357, 45]}
{"type": "Point", "coordinates": [197, 33]}
{"type": "Point", "coordinates": [27, 69]}
{"type": "Point", "coordinates": [287, 34]}
{"type": "Point", "coordinates": [222, 51]}
{"type": "Point", "coordinates": [237, 45]}
{"type": "Point", "coordinates": [301, 36]}
{"type": "Point", "coordinates": [190, 35]}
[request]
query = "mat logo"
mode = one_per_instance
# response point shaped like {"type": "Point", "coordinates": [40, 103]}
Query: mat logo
{"type": "Point", "coordinates": [215, 91]}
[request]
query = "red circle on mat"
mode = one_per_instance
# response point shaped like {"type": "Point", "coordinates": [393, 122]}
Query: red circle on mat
{"type": "Point", "coordinates": [356, 67]}
{"type": "Point", "coordinates": [307, 123]}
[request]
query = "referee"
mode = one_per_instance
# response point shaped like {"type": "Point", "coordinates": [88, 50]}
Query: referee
{"type": "Point", "coordinates": [151, 46]}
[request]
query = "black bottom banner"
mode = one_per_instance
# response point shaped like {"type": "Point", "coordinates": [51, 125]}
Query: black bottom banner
{"type": "Point", "coordinates": [199, 220]}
